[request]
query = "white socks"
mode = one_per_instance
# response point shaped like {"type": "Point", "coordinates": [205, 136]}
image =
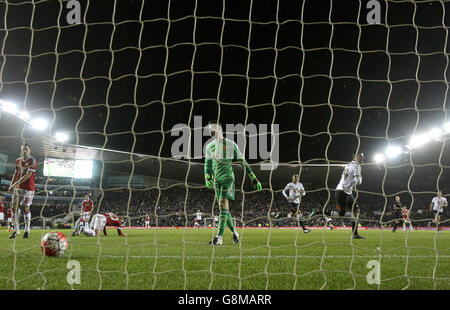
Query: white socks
{"type": "Point", "coordinates": [27, 219]}
{"type": "Point", "coordinates": [16, 222]}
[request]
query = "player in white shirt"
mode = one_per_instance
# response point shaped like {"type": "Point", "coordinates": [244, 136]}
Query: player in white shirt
{"type": "Point", "coordinates": [437, 205]}
{"type": "Point", "coordinates": [292, 192]}
{"type": "Point", "coordinates": [351, 177]}
{"type": "Point", "coordinates": [198, 218]}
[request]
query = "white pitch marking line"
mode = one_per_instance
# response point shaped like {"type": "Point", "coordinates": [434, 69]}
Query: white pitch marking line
{"type": "Point", "coordinates": [263, 256]}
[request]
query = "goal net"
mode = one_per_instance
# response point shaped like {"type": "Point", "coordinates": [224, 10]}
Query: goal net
{"type": "Point", "coordinates": [114, 99]}
{"type": "Point", "coordinates": [213, 222]}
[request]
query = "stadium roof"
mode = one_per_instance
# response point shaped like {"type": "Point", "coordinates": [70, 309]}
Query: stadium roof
{"type": "Point", "coordinates": [14, 133]}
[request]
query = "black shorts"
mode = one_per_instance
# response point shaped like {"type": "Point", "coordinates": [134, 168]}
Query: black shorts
{"type": "Point", "coordinates": [398, 214]}
{"type": "Point", "coordinates": [294, 207]}
{"type": "Point", "coordinates": [436, 213]}
{"type": "Point", "coordinates": [344, 201]}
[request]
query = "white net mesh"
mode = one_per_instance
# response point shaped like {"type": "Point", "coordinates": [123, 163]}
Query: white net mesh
{"type": "Point", "coordinates": [132, 77]}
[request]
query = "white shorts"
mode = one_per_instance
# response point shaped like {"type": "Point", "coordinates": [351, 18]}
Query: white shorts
{"type": "Point", "coordinates": [2, 216]}
{"type": "Point", "coordinates": [98, 222]}
{"type": "Point", "coordinates": [9, 220]}
{"type": "Point", "coordinates": [24, 197]}
{"type": "Point", "coordinates": [147, 222]}
{"type": "Point", "coordinates": [86, 216]}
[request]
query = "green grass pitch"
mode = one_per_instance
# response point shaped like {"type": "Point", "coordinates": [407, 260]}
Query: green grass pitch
{"type": "Point", "coordinates": [166, 259]}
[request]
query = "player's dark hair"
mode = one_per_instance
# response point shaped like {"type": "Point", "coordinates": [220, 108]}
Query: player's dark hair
{"type": "Point", "coordinates": [358, 152]}
{"type": "Point", "coordinates": [26, 144]}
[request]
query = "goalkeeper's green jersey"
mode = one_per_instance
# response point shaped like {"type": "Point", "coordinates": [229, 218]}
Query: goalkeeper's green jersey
{"type": "Point", "coordinates": [219, 156]}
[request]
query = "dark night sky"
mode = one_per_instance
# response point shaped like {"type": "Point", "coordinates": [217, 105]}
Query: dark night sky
{"type": "Point", "coordinates": [303, 71]}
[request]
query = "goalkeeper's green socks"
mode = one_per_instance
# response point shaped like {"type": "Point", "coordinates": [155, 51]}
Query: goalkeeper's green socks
{"type": "Point", "coordinates": [230, 222]}
{"type": "Point", "coordinates": [223, 217]}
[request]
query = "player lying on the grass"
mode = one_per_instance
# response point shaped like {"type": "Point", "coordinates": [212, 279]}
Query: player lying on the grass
{"type": "Point", "coordinates": [99, 222]}
{"type": "Point", "coordinates": [22, 186]}
{"type": "Point", "coordinates": [397, 213]}
{"type": "Point", "coordinates": [406, 219]}
{"type": "Point", "coordinates": [351, 177]}
{"type": "Point", "coordinates": [76, 226]}
{"type": "Point", "coordinates": [292, 192]}
{"type": "Point", "coordinates": [437, 205]}
{"type": "Point", "coordinates": [86, 209]}
{"type": "Point", "coordinates": [219, 156]}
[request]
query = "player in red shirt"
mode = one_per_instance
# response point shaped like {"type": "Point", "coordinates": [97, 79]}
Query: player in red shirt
{"type": "Point", "coordinates": [2, 210]}
{"type": "Point", "coordinates": [22, 186]}
{"type": "Point", "coordinates": [406, 219]}
{"type": "Point", "coordinates": [10, 218]}
{"type": "Point", "coordinates": [99, 222]}
{"type": "Point", "coordinates": [86, 209]}
{"type": "Point", "coordinates": [87, 205]}
{"type": "Point", "coordinates": [147, 221]}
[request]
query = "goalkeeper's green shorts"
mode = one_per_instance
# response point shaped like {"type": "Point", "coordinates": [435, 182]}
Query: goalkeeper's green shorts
{"type": "Point", "coordinates": [225, 190]}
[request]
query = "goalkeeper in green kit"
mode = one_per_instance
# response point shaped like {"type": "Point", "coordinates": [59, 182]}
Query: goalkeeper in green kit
{"type": "Point", "coordinates": [219, 175]}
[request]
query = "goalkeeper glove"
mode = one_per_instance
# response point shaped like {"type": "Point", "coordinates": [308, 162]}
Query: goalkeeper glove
{"type": "Point", "coordinates": [209, 182]}
{"type": "Point", "coordinates": [256, 184]}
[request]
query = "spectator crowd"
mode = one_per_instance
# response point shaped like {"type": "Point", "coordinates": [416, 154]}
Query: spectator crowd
{"type": "Point", "coordinates": [177, 205]}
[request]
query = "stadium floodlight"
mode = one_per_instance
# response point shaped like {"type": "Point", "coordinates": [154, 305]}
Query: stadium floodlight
{"type": "Point", "coordinates": [8, 106]}
{"type": "Point", "coordinates": [379, 158]}
{"type": "Point", "coordinates": [393, 151]}
{"type": "Point", "coordinates": [418, 141]}
{"type": "Point", "coordinates": [436, 133]}
{"type": "Point", "coordinates": [61, 137]}
{"type": "Point", "coordinates": [38, 123]}
{"type": "Point", "coordinates": [447, 126]}
{"type": "Point", "coordinates": [25, 115]}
